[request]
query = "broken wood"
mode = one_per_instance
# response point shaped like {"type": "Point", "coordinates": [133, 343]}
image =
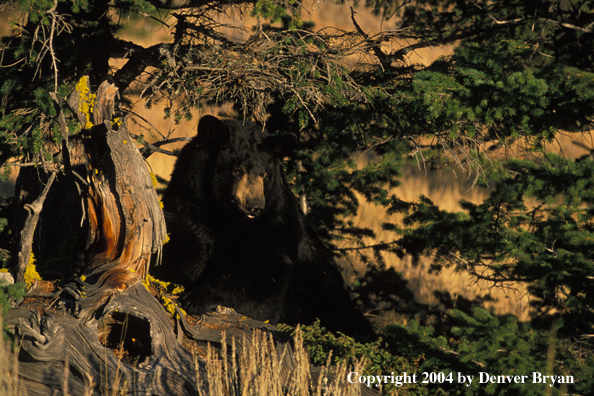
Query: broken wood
{"type": "Point", "coordinates": [33, 212]}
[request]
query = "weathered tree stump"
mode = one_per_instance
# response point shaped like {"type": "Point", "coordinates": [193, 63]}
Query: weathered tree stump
{"type": "Point", "coordinates": [97, 339]}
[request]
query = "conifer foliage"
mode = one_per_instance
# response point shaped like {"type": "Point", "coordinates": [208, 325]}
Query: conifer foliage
{"type": "Point", "coordinates": [519, 73]}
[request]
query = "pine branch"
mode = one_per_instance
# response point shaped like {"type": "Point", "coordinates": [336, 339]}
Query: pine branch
{"type": "Point", "coordinates": [434, 42]}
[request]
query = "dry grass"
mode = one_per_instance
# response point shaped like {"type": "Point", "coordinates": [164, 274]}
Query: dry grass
{"type": "Point", "coordinates": [255, 370]}
{"type": "Point", "coordinates": [8, 369]}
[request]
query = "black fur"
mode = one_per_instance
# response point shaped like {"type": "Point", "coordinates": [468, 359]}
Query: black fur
{"type": "Point", "coordinates": [266, 262]}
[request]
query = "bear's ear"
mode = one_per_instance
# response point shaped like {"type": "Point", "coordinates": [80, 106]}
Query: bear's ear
{"type": "Point", "coordinates": [281, 145]}
{"type": "Point", "coordinates": [211, 130]}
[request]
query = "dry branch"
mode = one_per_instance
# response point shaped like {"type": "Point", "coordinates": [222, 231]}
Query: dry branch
{"type": "Point", "coordinates": [26, 236]}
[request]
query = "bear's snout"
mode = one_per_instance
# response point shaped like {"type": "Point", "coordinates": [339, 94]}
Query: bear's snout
{"type": "Point", "coordinates": [254, 208]}
{"type": "Point", "coordinates": [249, 195]}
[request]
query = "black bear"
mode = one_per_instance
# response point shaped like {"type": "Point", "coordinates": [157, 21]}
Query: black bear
{"type": "Point", "coordinates": [239, 239]}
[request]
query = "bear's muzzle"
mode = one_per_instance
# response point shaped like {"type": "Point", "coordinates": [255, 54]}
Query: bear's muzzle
{"type": "Point", "coordinates": [249, 195]}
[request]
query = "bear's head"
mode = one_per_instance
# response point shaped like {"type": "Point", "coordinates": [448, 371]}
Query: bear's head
{"type": "Point", "coordinates": [246, 173]}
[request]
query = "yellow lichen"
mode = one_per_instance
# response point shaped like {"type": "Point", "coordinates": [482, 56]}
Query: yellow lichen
{"type": "Point", "coordinates": [177, 290]}
{"type": "Point", "coordinates": [157, 281]}
{"type": "Point", "coordinates": [86, 102]}
{"type": "Point", "coordinates": [166, 239]}
{"type": "Point", "coordinates": [146, 283]}
{"type": "Point", "coordinates": [31, 274]}
{"type": "Point", "coordinates": [153, 179]}
{"type": "Point", "coordinates": [168, 304]}
{"type": "Point", "coordinates": [166, 301]}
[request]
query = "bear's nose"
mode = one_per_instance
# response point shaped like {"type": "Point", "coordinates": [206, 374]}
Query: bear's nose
{"type": "Point", "coordinates": [254, 207]}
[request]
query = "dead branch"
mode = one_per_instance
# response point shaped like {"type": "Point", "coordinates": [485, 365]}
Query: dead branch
{"type": "Point", "coordinates": [26, 236]}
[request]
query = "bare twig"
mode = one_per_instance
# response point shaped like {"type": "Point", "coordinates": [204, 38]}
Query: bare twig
{"type": "Point", "coordinates": [381, 56]}
{"type": "Point", "coordinates": [136, 115]}
{"type": "Point", "coordinates": [587, 29]}
{"type": "Point", "coordinates": [150, 148]}
{"type": "Point", "coordinates": [64, 131]}
{"type": "Point", "coordinates": [382, 245]}
{"type": "Point", "coordinates": [52, 12]}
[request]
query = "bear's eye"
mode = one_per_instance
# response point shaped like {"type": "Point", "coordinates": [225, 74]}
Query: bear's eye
{"type": "Point", "coordinates": [238, 172]}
